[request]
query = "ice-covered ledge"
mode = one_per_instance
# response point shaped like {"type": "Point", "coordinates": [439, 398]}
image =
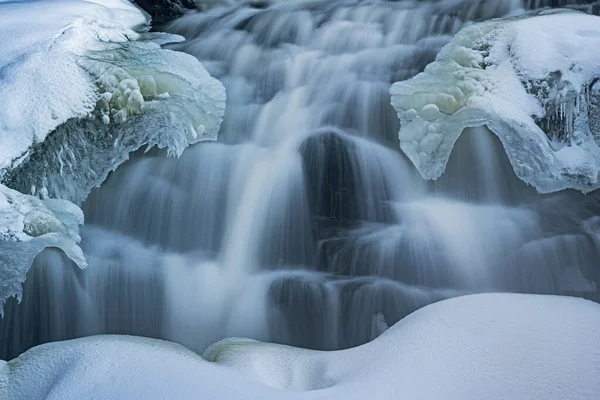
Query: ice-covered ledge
{"type": "Point", "coordinates": [534, 81]}
{"type": "Point", "coordinates": [82, 85]}
{"type": "Point", "coordinates": [73, 60]}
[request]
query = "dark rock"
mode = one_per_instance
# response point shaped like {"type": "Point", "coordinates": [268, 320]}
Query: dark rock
{"type": "Point", "coordinates": [165, 10]}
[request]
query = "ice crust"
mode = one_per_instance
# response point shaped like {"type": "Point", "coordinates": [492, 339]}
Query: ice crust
{"type": "Point", "coordinates": [82, 85]}
{"type": "Point", "coordinates": [496, 346]}
{"type": "Point", "coordinates": [532, 80]}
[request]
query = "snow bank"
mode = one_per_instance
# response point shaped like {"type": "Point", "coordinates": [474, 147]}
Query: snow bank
{"type": "Point", "coordinates": [532, 80]}
{"type": "Point", "coordinates": [82, 85]}
{"type": "Point", "coordinates": [473, 347]}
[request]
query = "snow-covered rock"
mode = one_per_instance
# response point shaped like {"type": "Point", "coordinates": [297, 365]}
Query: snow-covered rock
{"type": "Point", "coordinates": [534, 81]}
{"type": "Point", "coordinates": [82, 85]}
{"type": "Point", "coordinates": [496, 346]}
{"type": "Point", "coordinates": [91, 74]}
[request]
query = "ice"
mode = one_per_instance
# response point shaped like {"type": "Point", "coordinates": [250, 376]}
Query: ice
{"type": "Point", "coordinates": [532, 80]}
{"type": "Point", "coordinates": [473, 347]}
{"type": "Point", "coordinates": [27, 226]}
{"type": "Point", "coordinates": [44, 40]}
{"type": "Point", "coordinates": [103, 87]}
{"type": "Point", "coordinates": [82, 85]}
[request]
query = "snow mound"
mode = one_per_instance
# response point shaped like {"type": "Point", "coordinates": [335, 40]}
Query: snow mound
{"type": "Point", "coordinates": [472, 347]}
{"type": "Point", "coordinates": [532, 80]}
{"type": "Point", "coordinates": [101, 82]}
{"type": "Point", "coordinates": [27, 226]}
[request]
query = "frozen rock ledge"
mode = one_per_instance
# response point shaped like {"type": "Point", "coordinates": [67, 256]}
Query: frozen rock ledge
{"type": "Point", "coordinates": [534, 81]}
{"type": "Point", "coordinates": [82, 85]}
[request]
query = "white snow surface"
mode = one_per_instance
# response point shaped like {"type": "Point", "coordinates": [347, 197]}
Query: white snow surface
{"type": "Point", "coordinates": [496, 346]}
{"type": "Point", "coordinates": [532, 80]}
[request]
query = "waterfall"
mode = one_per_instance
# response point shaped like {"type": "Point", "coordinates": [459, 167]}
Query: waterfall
{"type": "Point", "coordinates": [305, 224]}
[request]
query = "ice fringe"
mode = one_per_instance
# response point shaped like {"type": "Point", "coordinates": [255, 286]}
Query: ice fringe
{"type": "Point", "coordinates": [534, 81]}
{"type": "Point", "coordinates": [83, 85]}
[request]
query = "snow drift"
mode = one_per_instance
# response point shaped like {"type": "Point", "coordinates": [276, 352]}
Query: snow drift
{"type": "Point", "coordinates": [83, 84]}
{"type": "Point", "coordinates": [473, 347]}
{"type": "Point", "coordinates": [532, 80]}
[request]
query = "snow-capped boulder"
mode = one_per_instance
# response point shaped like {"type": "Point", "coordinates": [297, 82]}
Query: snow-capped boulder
{"type": "Point", "coordinates": [533, 80]}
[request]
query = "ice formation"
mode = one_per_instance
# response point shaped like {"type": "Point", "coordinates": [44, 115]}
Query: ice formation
{"type": "Point", "coordinates": [83, 85]}
{"type": "Point", "coordinates": [27, 226]}
{"type": "Point", "coordinates": [534, 81]}
{"type": "Point", "coordinates": [472, 347]}
{"type": "Point", "coordinates": [104, 87]}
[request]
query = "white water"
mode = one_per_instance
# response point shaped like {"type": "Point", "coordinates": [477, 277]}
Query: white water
{"type": "Point", "coordinates": [305, 224]}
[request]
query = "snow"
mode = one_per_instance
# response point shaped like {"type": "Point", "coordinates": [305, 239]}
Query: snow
{"type": "Point", "coordinates": [83, 84]}
{"type": "Point", "coordinates": [532, 80]}
{"type": "Point", "coordinates": [44, 40]}
{"type": "Point", "coordinates": [478, 346]}
{"type": "Point", "coordinates": [95, 61]}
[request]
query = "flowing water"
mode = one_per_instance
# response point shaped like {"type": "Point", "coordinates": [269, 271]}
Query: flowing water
{"type": "Point", "coordinates": [305, 224]}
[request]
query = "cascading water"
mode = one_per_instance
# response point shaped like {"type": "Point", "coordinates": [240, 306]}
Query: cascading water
{"type": "Point", "coordinates": [305, 224]}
